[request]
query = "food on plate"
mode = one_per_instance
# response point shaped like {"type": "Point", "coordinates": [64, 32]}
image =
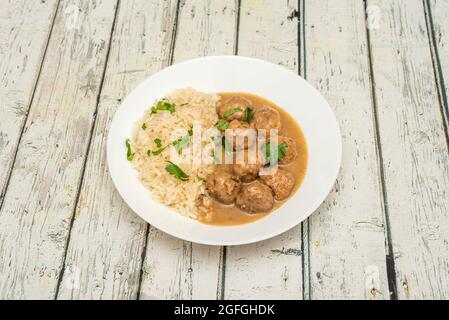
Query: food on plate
{"type": "Point", "coordinates": [240, 135]}
{"type": "Point", "coordinates": [223, 186]}
{"type": "Point", "coordinates": [255, 197]}
{"type": "Point", "coordinates": [234, 108]}
{"type": "Point", "coordinates": [281, 182]}
{"type": "Point", "coordinates": [291, 152]}
{"type": "Point", "coordinates": [208, 156]}
{"type": "Point", "coordinates": [266, 118]}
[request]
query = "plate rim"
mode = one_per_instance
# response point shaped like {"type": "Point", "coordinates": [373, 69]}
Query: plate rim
{"type": "Point", "coordinates": [252, 239]}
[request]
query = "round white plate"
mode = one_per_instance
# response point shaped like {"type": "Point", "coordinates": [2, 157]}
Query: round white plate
{"type": "Point", "coordinates": [231, 73]}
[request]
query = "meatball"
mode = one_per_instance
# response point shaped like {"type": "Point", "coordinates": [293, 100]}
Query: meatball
{"type": "Point", "coordinates": [241, 132]}
{"type": "Point", "coordinates": [223, 186]}
{"type": "Point", "coordinates": [229, 109]}
{"type": "Point", "coordinates": [255, 198]}
{"type": "Point", "coordinates": [247, 171]}
{"type": "Point", "coordinates": [291, 153]}
{"type": "Point", "coordinates": [281, 181]}
{"type": "Point", "coordinates": [266, 118]}
{"type": "Point", "coordinates": [204, 204]}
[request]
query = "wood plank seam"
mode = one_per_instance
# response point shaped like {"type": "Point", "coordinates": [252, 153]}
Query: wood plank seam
{"type": "Point", "coordinates": [147, 231]}
{"type": "Point", "coordinates": [9, 174]}
{"type": "Point", "coordinates": [302, 68]}
{"type": "Point", "coordinates": [437, 68]}
{"type": "Point", "coordinates": [391, 271]}
{"type": "Point", "coordinates": [222, 275]}
{"type": "Point", "coordinates": [83, 169]}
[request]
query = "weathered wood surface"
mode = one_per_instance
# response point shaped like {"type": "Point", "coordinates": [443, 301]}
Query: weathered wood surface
{"type": "Point", "coordinates": [104, 256]}
{"type": "Point", "coordinates": [346, 244]}
{"type": "Point", "coordinates": [182, 270]}
{"type": "Point", "coordinates": [437, 12]}
{"type": "Point", "coordinates": [40, 198]}
{"type": "Point", "coordinates": [71, 62]}
{"type": "Point", "coordinates": [271, 268]}
{"type": "Point", "coordinates": [25, 27]}
{"type": "Point", "coordinates": [414, 149]}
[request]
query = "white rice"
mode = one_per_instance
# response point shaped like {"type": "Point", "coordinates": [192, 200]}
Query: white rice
{"type": "Point", "coordinates": [191, 107]}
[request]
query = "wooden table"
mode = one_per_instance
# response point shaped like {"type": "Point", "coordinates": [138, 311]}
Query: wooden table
{"type": "Point", "coordinates": [65, 66]}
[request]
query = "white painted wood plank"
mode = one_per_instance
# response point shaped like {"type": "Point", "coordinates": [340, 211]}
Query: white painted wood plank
{"type": "Point", "coordinates": [104, 256]}
{"type": "Point", "coordinates": [439, 10]}
{"type": "Point", "coordinates": [176, 269]}
{"type": "Point", "coordinates": [414, 149]}
{"type": "Point", "coordinates": [346, 235]}
{"type": "Point", "coordinates": [271, 268]}
{"type": "Point", "coordinates": [41, 195]}
{"type": "Point", "coordinates": [24, 30]}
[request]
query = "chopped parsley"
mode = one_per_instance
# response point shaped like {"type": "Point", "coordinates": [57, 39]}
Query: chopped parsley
{"type": "Point", "coordinates": [201, 178]}
{"type": "Point", "coordinates": [230, 112]}
{"type": "Point", "coordinates": [144, 126]}
{"type": "Point", "coordinates": [222, 124]}
{"type": "Point", "coordinates": [157, 152]}
{"type": "Point", "coordinates": [158, 142]}
{"type": "Point", "coordinates": [281, 152]}
{"type": "Point", "coordinates": [190, 131]}
{"type": "Point", "coordinates": [176, 171]}
{"type": "Point", "coordinates": [226, 145]}
{"type": "Point", "coordinates": [181, 144]}
{"type": "Point", "coordinates": [129, 153]}
{"type": "Point", "coordinates": [249, 114]}
{"type": "Point", "coordinates": [163, 105]}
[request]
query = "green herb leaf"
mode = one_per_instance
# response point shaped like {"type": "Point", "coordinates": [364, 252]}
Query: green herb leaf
{"type": "Point", "coordinates": [181, 144]}
{"type": "Point", "coordinates": [176, 171]}
{"type": "Point", "coordinates": [281, 152]}
{"type": "Point", "coordinates": [222, 124]}
{"type": "Point", "coordinates": [227, 146]}
{"type": "Point", "coordinates": [230, 112]}
{"type": "Point", "coordinates": [201, 178]}
{"type": "Point", "coordinates": [158, 152]}
{"type": "Point", "coordinates": [163, 105]}
{"type": "Point", "coordinates": [158, 142]}
{"type": "Point", "coordinates": [144, 126]}
{"type": "Point", "coordinates": [149, 153]}
{"type": "Point", "coordinates": [249, 114]}
{"type": "Point", "coordinates": [129, 153]}
{"type": "Point", "coordinates": [190, 131]}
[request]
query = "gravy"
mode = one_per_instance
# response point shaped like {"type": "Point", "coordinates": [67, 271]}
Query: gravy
{"type": "Point", "coordinates": [228, 215]}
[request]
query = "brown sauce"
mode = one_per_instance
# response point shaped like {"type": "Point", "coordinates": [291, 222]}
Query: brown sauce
{"type": "Point", "coordinates": [228, 215]}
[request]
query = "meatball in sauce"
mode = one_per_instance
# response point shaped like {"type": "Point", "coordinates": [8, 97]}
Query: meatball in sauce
{"type": "Point", "coordinates": [223, 186]}
{"type": "Point", "coordinates": [233, 108]}
{"type": "Point", "coordinates": [239, 193]}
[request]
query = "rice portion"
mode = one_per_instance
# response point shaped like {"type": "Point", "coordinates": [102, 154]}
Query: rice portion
{"type": "Point", "coordinates": [192, 107]}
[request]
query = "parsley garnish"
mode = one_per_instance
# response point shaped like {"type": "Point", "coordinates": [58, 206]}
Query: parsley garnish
{"type": "Point", "coordinates": [181, 144]}
{"type": "Point", "coordinates": [281, 152]}
{"type": "Point", "coordinates": [222, 124]}
{"type": "Point", "coordinates": [249, 114]}
{"type": "Point", "coordinates": [129, 153]}
{"type": "Point", "coordinates": [230, 112]}
{"type": "Point", "coordinates": [226, 145]}
{"type": "Point", "coordinates": [158, 142]}
{"type": "Point", "coordinates": [176, 171]}
{"type": "Point", "coordinates": [158, 152]}
{"type": "Point", "coordinates": [162, 105]}
{"type": "Point", "coordinates": [144, 126]}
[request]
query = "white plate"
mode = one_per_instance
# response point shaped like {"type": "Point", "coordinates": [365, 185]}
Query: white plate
{"type": "Point", "coordinates": [231, 73]}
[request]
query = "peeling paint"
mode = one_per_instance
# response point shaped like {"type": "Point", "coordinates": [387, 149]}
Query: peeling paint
{"type": "Point", "coordinates": [288, 252]}
{"type": "Point", "coordinates": [372, 279]}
